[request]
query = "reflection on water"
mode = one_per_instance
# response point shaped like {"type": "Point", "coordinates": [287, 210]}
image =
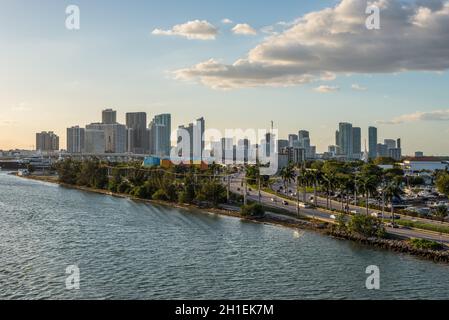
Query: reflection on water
{"type": "Point", "coordinates": [129, 250]}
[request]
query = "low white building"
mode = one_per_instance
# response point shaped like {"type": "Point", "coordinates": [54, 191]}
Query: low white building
{"type": "Point", "coordinates": [411, 165]}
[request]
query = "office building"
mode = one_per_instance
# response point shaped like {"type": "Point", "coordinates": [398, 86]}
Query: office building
{"type": "Point", "coordinates": [160, 135]}
{"type": "Point", "coordinates": [357, 142]}
{"type": "Point", "coordinates": [138, 140]}
{"type": "Point", "coordinates": [372, 133]}
{"type": "Point", "coordinates": [75, 139]}
{"type": "Point", "coordinates": [94, 141]}
{"type": "Point", "coordinates": [345, 140]}
{"type": "Point", "coordinates": [390, 143]}
{"type": "Point", "coordinates": [196, 143]}
{"type": "Point", "coordinates": [292, 140]}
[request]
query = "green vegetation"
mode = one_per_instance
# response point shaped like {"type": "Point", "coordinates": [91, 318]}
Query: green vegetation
{"type": "Point", "coordinates": [442, 182]}
{"type": "Point", "coordinates": [425, 244]}
{"type": "Point", "coordinates": [253, 210]}
{"type": "Point", "coordinates": [181, 184]}
{"type": "Point", "coordinates": [423, 226]}
{"type": "Point", "coordinates": [366, 226]}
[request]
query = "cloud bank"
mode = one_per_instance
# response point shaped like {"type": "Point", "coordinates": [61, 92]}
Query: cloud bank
{"type": "Point", "coordinates": [413, 37]}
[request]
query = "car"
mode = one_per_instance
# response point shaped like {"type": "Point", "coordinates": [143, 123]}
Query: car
{"type": "Point", "coordinates": [273, 200]}
{"type": "Point", "coordinates": [285, 203]}
{"type": "Point", "coordinates": [392, 225]}
{"type": "Point", "coordinates": [333, 217]}
{"type": "Point", "coordinates": [354, 212]}
{"type": "Point", "coordinates": [375, 214]}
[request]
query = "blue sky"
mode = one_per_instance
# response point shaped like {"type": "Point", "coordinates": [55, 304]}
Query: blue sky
{"type": "Point", "coordinates": [52, 78]}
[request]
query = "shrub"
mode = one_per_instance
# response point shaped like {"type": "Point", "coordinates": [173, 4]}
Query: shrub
{"type": "Point", "coordinates": [367, 226]}
{"type": "Point", "coordinates": [253, 210]}
{"type": "Point", "coordinates": [160, 195]}
{"type": "Point", "coordinates": [425, 244]}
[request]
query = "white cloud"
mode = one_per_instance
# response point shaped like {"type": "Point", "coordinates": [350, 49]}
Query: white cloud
{"type": "Point", "coordinates": [336, 41]}
{"type": "Point", "coordinates": [327, 89]}
{"type": "Point", "coordinates": [438, 115]}
{"type": "Point", "coordinates": [358, 87]}
{"type": "Point", "coordinates": [227, 21]}
{"type": "Point", "coordinates": [197, 30]}
{"type": "Point", "coordinates": [244, 29]}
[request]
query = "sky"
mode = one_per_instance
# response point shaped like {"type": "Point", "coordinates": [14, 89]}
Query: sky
{"type": "Point", "coordinates": [241, 64]}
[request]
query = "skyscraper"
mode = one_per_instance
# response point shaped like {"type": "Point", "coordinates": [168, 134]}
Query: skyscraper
{"type": "Point", "coordinates": [137, 121]}
{"type": "Point", "coordinates": [94, 141]}
{"type": "Point", "coordinates": [160, 135]}
{"type": "Point", "coordinates": [109, 116]}
{"type": "Point", "coordinates": [346, 139]}
{"type": "Point", "coordinates": [292, 140]}
{"type": "Point", "coordinates": [196, 136]}
{"type": "Point", "coordinates": [372, 133]}
{"type": "Point", "coordinates": [75, 139]}
{"type": "Point", "coordinates": [357, 142]}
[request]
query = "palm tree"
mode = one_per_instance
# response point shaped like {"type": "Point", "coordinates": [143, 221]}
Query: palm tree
{"type": "Point", "coordinates": [441, 212]}
{"type": "Point", "coordinates": [287, 174]}
{"type": "Point", "coordinates": [330, 182]}
{"type": "Point", "coordinates": [392, 190]}
{"type": "Point", "coordinates": [368, 183]}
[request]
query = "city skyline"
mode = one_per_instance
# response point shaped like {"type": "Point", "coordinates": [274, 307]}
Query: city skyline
{"type": "Point", "coordinates": [69, 75]}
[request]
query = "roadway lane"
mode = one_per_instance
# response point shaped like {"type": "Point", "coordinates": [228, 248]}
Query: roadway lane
{"type": "Point", "coordinates": [266, 199]}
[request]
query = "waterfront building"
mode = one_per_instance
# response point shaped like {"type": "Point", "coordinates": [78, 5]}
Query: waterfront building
{"type": "Point", "coordinates": [47, 141]}
{"type": "Point", "coordinates": [75, 139]}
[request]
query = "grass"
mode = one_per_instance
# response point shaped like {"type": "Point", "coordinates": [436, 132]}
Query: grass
{"type": "Point", "coordinates": [423, 226]}
{"type": "Point", "coordinates": [425, 244]}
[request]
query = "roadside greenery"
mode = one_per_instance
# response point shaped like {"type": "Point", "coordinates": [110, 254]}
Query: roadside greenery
{"type": "Point", "coordinates": [425, 244]}
{"type": "Point", "coordinates": [253, 210]}
{"type": "Point", "coordinates": [188, 185]}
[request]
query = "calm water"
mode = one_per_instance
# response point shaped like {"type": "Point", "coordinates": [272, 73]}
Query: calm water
{"type": "Point", "coordinates": [128, 250]}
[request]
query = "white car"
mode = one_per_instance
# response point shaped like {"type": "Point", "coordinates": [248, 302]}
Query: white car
{"type": "Point", "coordinates": [333, 217]}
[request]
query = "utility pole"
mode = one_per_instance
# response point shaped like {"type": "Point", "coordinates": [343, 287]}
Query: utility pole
{"type": "Point", "coordinates": [297, 194]}
{"type": "Point", "coordinates": [245, 200]}
{"type": "Point", "coordinates": [228, 187]}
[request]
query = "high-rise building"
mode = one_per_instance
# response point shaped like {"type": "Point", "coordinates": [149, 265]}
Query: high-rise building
{"type": "Point", "coordinates": [109, 116]}
{"type": "Point", "coordinates": [382, 150]}
{"type": "Point", "coordinates": [303, 134]}
{"type": "Point", "coordinates": [357, 142]}
{"type": "Point", "coordinates": [160, 135]}
{"type": "Point", "coordinates": [390, 143]}
{"type": "Point", "coordinates": [346, 139]}
{"type": "Point", "coordinates": [292, 140]}
{"type": "Point", "coordinates": [94, 141]}
{"type": "Point", "coordinates": [196, 140]}
{"type": "Point", "coordinates": [47, 141]}
{"type": "Point", "coordinates": [372, 133]}
{"type": "Point", "coordinates": [115, 136]}
{"type": "Point", "coordinates": [75, 139]}
{"type": "Point", "coordinates": [138, 138]}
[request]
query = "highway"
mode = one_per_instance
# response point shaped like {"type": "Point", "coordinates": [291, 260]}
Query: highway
{"type": "Point", "coordinates": [321, 214]}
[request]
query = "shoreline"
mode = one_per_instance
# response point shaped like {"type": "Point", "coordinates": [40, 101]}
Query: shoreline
{"type": "Point", "coordinates": [287, 221]}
